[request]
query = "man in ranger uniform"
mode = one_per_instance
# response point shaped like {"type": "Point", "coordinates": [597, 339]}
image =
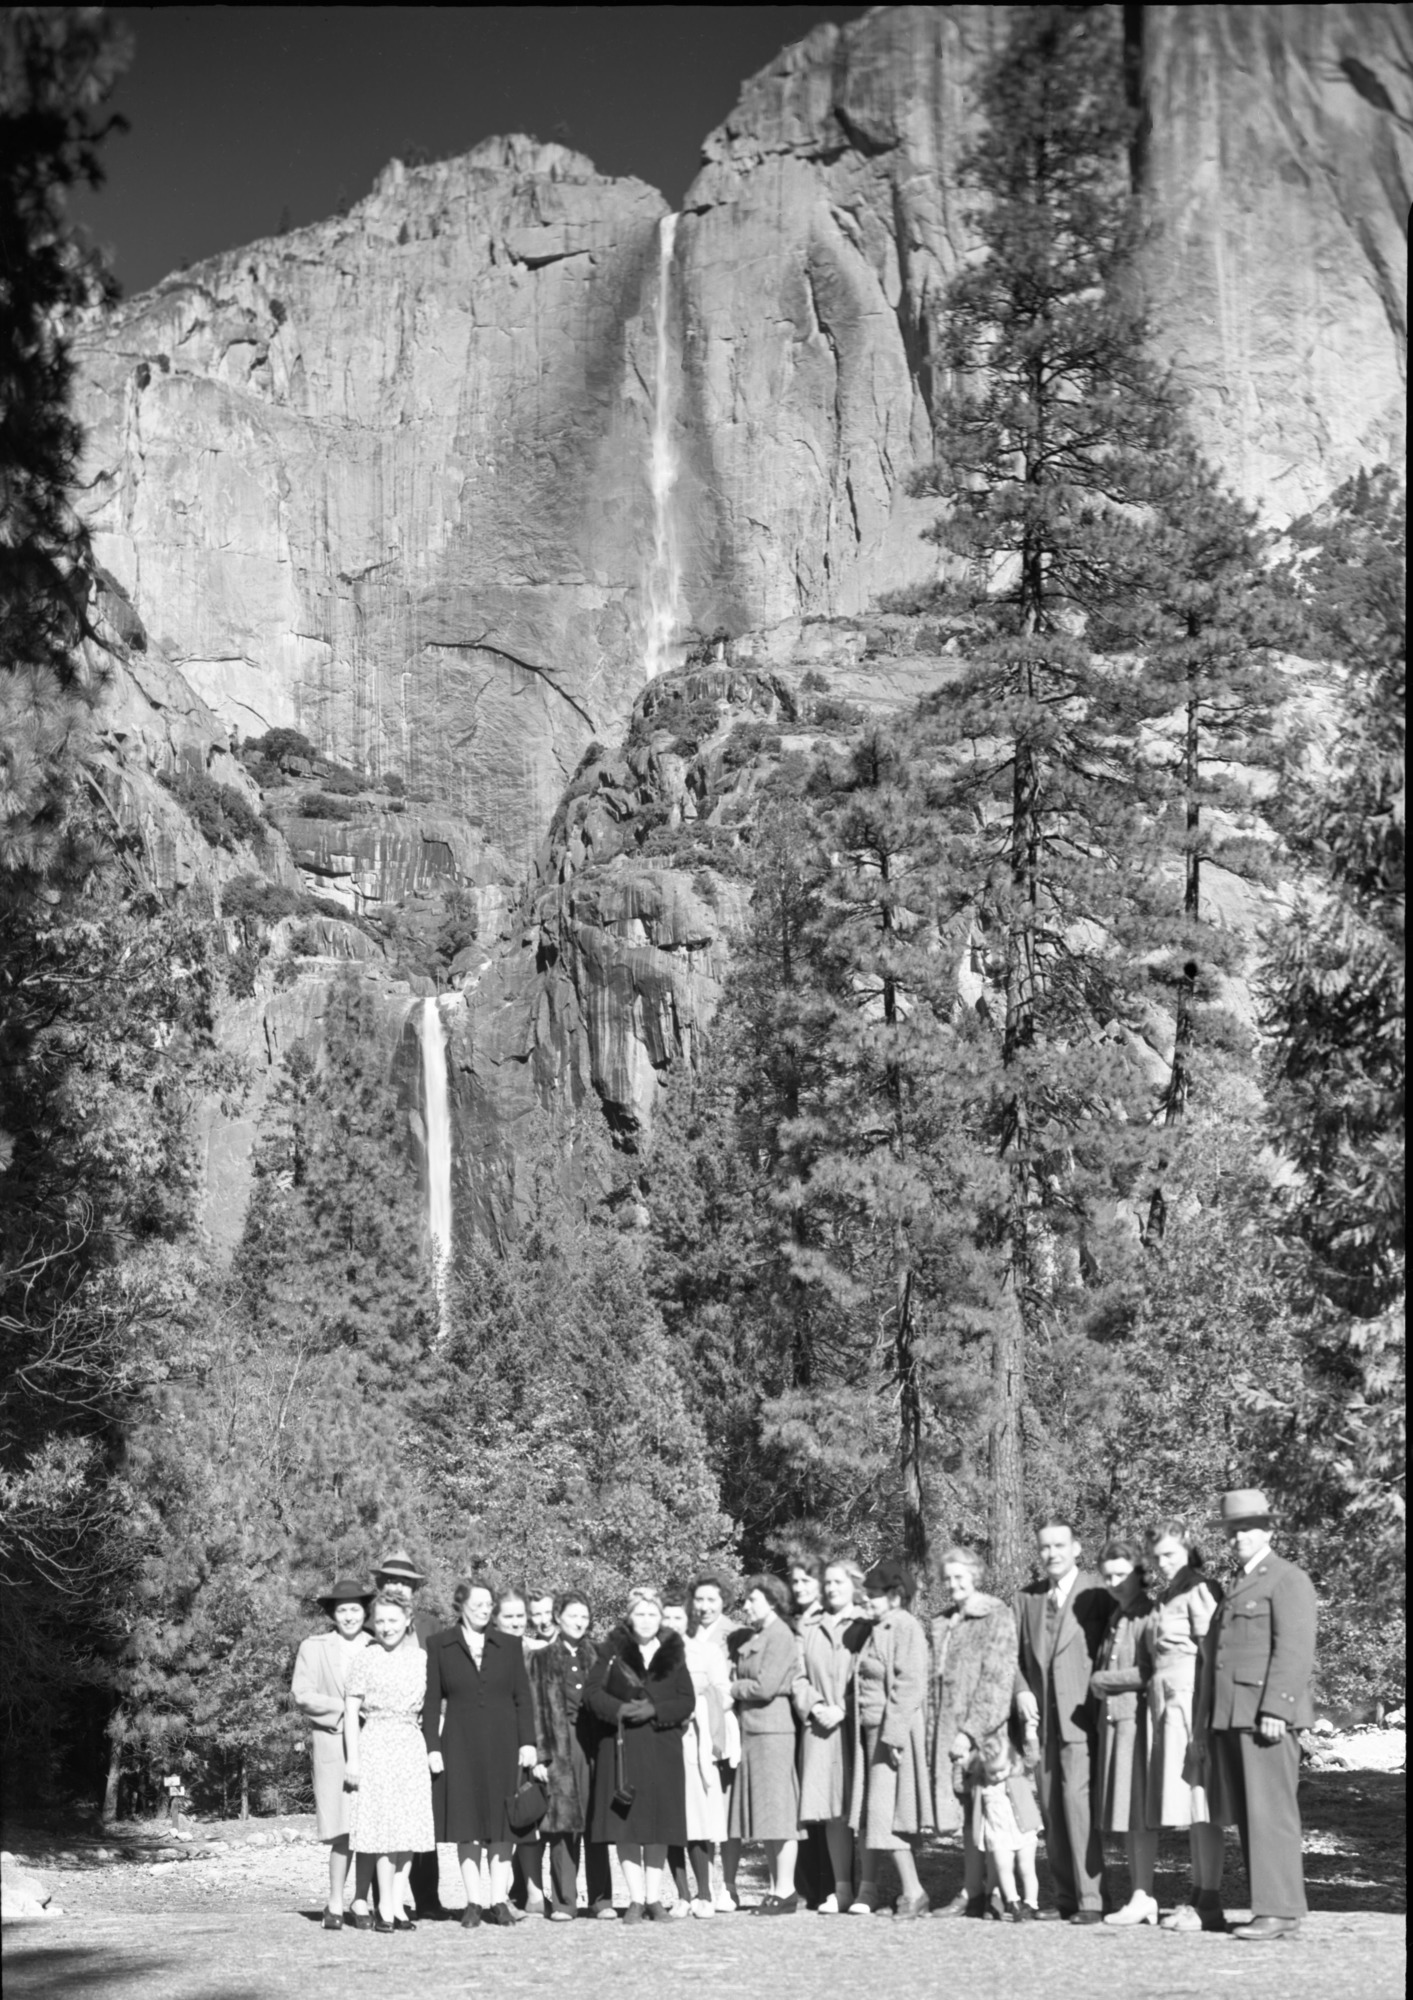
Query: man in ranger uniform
{"type": "Point", "coordinates": [1261, 1656]}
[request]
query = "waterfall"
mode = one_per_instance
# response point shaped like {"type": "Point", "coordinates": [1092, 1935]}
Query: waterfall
{"type": "Point", "coordinates": [665, 576]}
{"type": "Point", "coordinates": [436, 1113]}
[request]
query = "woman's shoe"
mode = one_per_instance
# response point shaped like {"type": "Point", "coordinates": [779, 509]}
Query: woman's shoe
{"type": "Point", "coordinates": [403, 1924]}
{"type": "Point", "coordinates": [634, 1914]}
{"type": "Point", "coordinates": [656, 1913]}
{"type": "Point", "coordinates": [865, 1903]}
{"type": "Point", "coordinates": [726, 1902]}
{"type": "Point", "coordinates": [1139, 1909]}
{"type": "Point", "coordinates": [503, 1915]}
{"type": "Point", "coordinates": [333, 1920]}
{"type": "Point", "coordinates": [471, 1917]}
{"type": "Point", "coordinates": [382, 1924]}
{"type": "Point", "coordinates": [361, 1920]}
{"type": "Point", "coordinates": [912, 1906]}
{"type": "Point", "coordinates": [829, 1907]}
{"type": "Point", "coordinates": [1025, 1913]}
{"type": "Point", "coordinates": [560, 1914]}
{"type": "Point", "coordinates": [702, 1906]}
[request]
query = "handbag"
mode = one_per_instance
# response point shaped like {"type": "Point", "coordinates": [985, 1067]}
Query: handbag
{"type": "Point", "coordinates": [623, 1793]}
{"type": "Point", "coordinates": [528, 1805]}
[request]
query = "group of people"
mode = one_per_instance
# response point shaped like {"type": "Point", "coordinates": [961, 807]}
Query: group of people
{"type": "Point", "coordinates": [829, 1726]}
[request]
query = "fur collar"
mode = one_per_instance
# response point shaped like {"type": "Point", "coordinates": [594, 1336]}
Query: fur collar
{"type": "Point", "coordinates": [670, 1654]}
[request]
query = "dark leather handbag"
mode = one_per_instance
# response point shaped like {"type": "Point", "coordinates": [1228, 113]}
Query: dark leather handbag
{"type": "Point", "coordinates": [623, 1793]}
{"type": "Point", "coordinates": [527, 1807]}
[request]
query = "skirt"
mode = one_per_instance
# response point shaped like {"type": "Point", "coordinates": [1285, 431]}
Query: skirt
{"type": "Point", "coordinates": [765, 1799]}
{"type": "Point", "coordinates": [880, 1796]}
{"type": "Point", "coordinates": [333, 1806]}
{"type": "Point", "coordinates": [706, 1802]}
{"type": "Point", "coordinates": [1123, 1772]}
{"type": "Point", "coordinates": [1172, 1799]}
{"type": "Point", "coordinates": [826, 1773]}
{"type": "Point", "coordinates": [392, 1809]}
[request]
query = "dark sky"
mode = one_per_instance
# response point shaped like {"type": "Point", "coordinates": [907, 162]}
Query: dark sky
{"type": "Point", "coordinates": [238, 113]}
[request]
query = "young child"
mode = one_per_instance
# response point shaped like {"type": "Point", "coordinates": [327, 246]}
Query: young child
{"type": "Point", "coordinates": [1003, 1798]}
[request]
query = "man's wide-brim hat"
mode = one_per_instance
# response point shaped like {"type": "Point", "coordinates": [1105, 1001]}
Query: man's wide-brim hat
{"type": "Point", "coordinates": [399, 1568]}
{"type": "Point", "coordinates": [1245, 1506]}
{"type": "Point", "coordinates": [348, 1590]}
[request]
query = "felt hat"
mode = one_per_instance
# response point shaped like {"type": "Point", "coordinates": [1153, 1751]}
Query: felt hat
{"type": "Point", "coordinates": [399, 1568]}
{"type": "Point", "coordinates": [347, 1590]}
{"type": "Point", "coordinates": [889, 1575]}
{"type": "Point", "coordinates": [1245, 1506]}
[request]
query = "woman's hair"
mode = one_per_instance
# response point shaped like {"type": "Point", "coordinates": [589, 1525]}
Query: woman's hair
{"type": "Point", "coordinates": [676, 1594]}
{"type": "Point", "coordinates": [772, 1589]}
{"type": "Point", "coordinates": [963, 1558]}
{"type": "Point", "coordinates": [511, 1593]}
{"type": "Point", "coordinates": [393, 1597]}
{"type": "Point", "coordinates": [1116, 1549]}
{"type": "Point", "coordinates": [1180, 1532]}
{"type": "Point", "coordinates": [811, 1565]}
{"type": "Point", "coordinates": [710, 1579]}
{"type": "Point", "coordinates": [568, 1597]}
{"type": "Point", "coordinates": [851, 1569]}
{"type": "Point", "coordinates": [464, 1589]}
{"type": "Point", "coordinates": [643, 1593]}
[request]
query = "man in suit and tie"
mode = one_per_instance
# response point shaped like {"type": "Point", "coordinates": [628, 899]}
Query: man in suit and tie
{"type": "Point", "coordinates": [1254, 1697]}
{"type": "Point", "coordinates": [1061, 1622]}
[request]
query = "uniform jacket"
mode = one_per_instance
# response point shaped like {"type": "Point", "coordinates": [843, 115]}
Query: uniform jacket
{"type": "Point", "coordinates": [764, 1669]}
{"type": "Point", "coordinates": [1078, 1638]}
{"type": "Point", "coordinates": [971, 1679]}
{"type": "Point", "coordinates": [1260, 1650]}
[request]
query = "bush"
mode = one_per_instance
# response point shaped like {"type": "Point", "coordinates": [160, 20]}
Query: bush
{"type": "Point", "coordinates": [841, 714]}
{"type": "Point", "coordinates": [224, 817]}
{"type": "Point", "coordinates": [814, 682]}
{"type": "Point", "coordinates": [318, 805]}
{"type": "Point", "coordinates": [747, 741]}
{"type": "Point", "coordinates": [255, 898]}
{"type": "Point", "coordinates": [343, 783]}
{"type": "Point", "coordinates": [278, 746]}
{"type": "Point", "coordinates": [393, 785]}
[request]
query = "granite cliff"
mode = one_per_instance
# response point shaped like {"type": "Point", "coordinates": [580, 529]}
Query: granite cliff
{"type": "Point", "coordinates": [385, 481]}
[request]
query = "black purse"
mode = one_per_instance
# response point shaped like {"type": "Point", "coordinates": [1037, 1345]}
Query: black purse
{"type": "Point", "coordinates": [623, 1793]}
{"type": "Point", "coordinates": [527, 1807]}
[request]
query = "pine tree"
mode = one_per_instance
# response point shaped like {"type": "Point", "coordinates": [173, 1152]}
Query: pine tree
{"type": "Point", "coordinates": [1045, 451]}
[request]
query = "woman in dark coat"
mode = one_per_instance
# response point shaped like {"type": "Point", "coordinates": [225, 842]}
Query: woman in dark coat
{"type": "Point", "coordinates": [973, 1672]}
{"type": "Point", "coordinates": [565, 1731]}
{"type": "Point", "coordinates": [641, 1691]}
{"type": "Point", "coordinates": [487, 1736]}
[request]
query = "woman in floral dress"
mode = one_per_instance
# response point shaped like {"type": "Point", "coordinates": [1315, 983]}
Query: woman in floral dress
{"type": "Point", "coordinates": [386, 1759]}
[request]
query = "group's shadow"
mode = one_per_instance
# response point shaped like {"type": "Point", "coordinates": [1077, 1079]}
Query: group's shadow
{"type": "Point", "coordinates": [35, 1970]}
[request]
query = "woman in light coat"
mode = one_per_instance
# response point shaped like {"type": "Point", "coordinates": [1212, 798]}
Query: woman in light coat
{"type": "Point", "coordinates": [1117, 1684]}
{"type": "Point", "coordinates": [711, 1747]}
{"type": "Point", "coordinates": [972, 1679]}
{"type": "Point", "coordinates": [320, 1681]}
{"type": "Point", "coordinates": [765, 1799]}
{"type": "Point", "coordinates": [829, 1649]}
{"type": "Point", "coordinates": [1179, 1790]}
{"type": "Point", "coordinates": [889, 1805]}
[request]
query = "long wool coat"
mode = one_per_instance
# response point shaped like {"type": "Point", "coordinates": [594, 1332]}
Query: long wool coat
{"type": "Point", "coordinates": [320, 1671]}
{"type": "Point", "coordinates": [828, 1650]}
{"type": "Point", "coordinates": [489, 1719]}
{"type": "Point", "coordinates": [900, 1644]}
{"type": "Point", "coordinates": [565, 1732]}
{"type": "Point", "coordinates": [973, 1674]}
{"type": "Point", "coordinates": [652, 1751]}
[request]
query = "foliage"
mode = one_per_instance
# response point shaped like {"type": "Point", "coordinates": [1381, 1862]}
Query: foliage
{"type": "Point", "coordinates": [224, 816]}
{"type": "Point", "coordinates": [285, 749]}
{"type": "Point", "coordinates": [319, 805]}
{"type": "Point", "coordinates": [254, 898]}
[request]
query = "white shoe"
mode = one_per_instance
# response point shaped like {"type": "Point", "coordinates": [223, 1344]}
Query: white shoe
{"type": "Point", "coordinates": [829, 1907]}
{"type": "Point", "coordinates": [1139, 1909]}
{"type": "Point", "coordinates": [701, 1907]}
{"type": "Point", "coordinates": [724, 1903]}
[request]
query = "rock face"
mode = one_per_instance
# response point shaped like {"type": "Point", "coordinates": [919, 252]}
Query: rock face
{"type": "Point", "coordinates": [385, 479]}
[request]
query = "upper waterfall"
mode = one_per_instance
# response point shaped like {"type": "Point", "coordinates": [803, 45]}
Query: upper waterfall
{"type": "Point", "coordinates": [436, 1112]}
{"type": "Point", "coordinates": [665, 576]}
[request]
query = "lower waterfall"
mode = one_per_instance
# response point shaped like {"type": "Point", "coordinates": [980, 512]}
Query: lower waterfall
{"type": "Point", "coordinates": [436, 1115]}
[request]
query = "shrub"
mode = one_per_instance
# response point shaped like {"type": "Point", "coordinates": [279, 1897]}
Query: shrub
{"type": "Point", "coordinates": [318, 805]}
{"type": "Point", "coordinates": [393, 785]}
{"type": "Point", "coordinates": [343, 783]}
{"type": "Point", "coordinates": [747, 741]}
{"type": "Point", "coordinates": [224, 817]}
{"type": "Point", "coordinates": [255, 898]}
{"type": "Point", "coordinates": [814, 682]}
{"type": "Point", "coordinates": [277, 746]}
{"type": "Point", "coordinates": [841, 714]}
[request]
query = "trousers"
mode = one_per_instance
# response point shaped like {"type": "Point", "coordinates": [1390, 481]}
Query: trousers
{"type": "Point", "coordinates": [564, 1870]}
{"type": "Point", "coordinates": [1258, 1781]}
{"type": "Point", "coordinates": [1072, 1842]}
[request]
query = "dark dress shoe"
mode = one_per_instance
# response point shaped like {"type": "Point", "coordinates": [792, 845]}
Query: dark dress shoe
{"type": "Point", "coordinates": [503, 1915]}
{"type": "Point", "coordinates": [382, 1924]}
{"type": "Point", "coordinates": [471, 1917]}
{"type": "Point", "coordinates": [634, 1914]}
{"type": "Point", "coordinates": [1055, 1916]}
{"type": "Point", "coordinates": [403, 1924]}
{"type": "Point", "coordinates": [333, 1920]}
{"type": "Point", "coordinates": [361, 1920]}
{"type": "Point", "coordinates": [655, 1913]}
{"type": "Point", "coordinates": [1086, 1917]}
{"type": "Point", "coordinates": [1261, 1930]}
{"type": "Point", "coordinates": [1023, 1913]}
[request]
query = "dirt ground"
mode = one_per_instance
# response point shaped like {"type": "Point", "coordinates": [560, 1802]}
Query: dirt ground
{"type": "Point", "coordinates": [237, 1919]}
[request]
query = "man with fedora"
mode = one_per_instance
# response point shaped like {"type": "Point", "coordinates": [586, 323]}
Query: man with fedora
{"type": "Point", "coordinates": [1060, 1623]}
{"type": "Point", "coordinates": [400, 1577]}
{"type": "Point", "coordinates": [1255, 1696]}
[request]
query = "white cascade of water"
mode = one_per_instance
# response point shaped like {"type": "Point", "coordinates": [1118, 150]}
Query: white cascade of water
{"type": "Point", "coordinates": [665, 576]}
{"type": "Point", "coordinates": [436, 1115]}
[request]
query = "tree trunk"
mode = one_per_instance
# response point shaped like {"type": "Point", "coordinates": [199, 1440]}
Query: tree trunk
{"type": "Point", "coordinates": [1006, 1481]}
{"type": "Point", "coordinates": [244, 1787]}
{"type": "Point", "coordinates": [910, 1425]}
{"type": "Point", "coordinates": [109, 1811]}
